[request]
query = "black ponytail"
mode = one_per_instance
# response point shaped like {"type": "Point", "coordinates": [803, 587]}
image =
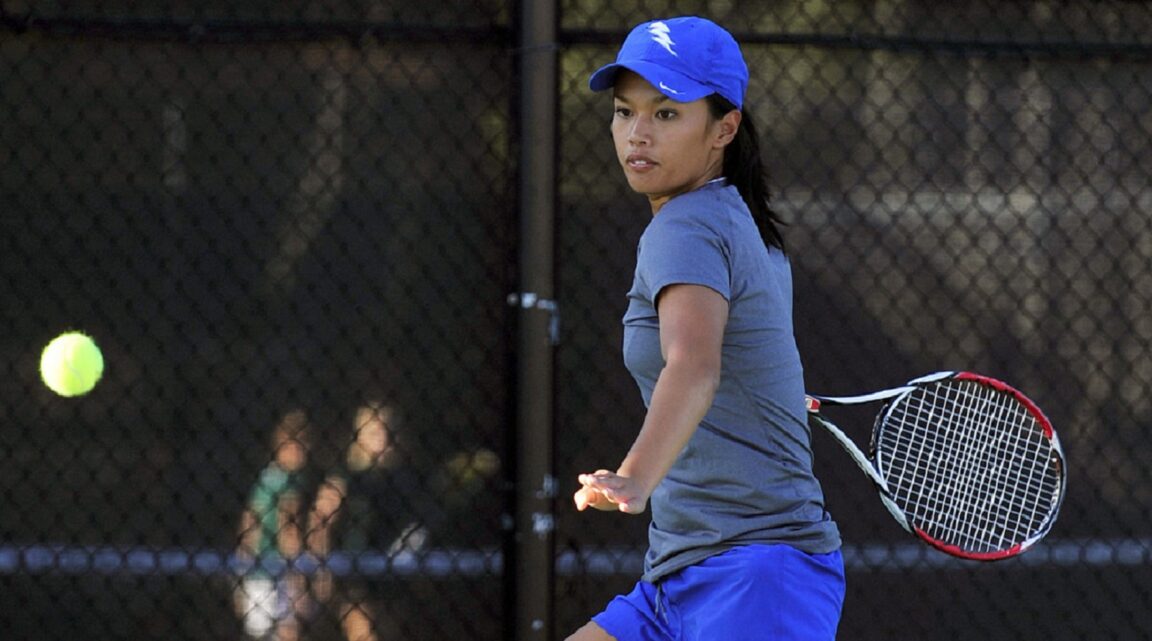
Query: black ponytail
{"type": "Point", "coordinates": [744, 169]}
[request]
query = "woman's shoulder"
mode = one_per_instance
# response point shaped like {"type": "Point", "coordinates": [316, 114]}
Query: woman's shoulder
{"type": "Point", "coordinates": [717, 210]}
{"type": "Point", "coordinates": [711, 204]}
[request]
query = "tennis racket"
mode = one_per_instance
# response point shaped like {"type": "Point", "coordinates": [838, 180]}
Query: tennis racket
{"type": "Point", "coordinates": [965, 462]}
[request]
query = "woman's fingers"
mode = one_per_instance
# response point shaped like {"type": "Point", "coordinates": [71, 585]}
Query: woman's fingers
{"type": "Point", "coordinates": [587, 497]}
{"type": "Point", "coordinates": [606, 490]}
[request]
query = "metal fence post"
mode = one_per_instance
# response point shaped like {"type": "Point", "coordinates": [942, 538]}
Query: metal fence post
{"type": "Point", "coordinates": [535, 486]}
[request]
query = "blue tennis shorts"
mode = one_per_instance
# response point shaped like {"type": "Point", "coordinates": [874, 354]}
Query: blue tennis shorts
{"type": "Point", "coordinates": [749, 593]}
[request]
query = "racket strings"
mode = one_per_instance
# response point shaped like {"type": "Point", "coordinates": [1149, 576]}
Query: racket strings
{"type": "Point", "coordinates": [969, 464]}
{"type": "Point", "coordinates": [987, 508]}
{"type": "Point", "coordinates": [977, 513]}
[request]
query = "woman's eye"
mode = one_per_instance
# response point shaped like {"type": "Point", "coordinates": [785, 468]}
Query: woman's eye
{"type": "Point", "coordinates": [622, 112]}
{"type": "Point", "coordinates": [665, 114]}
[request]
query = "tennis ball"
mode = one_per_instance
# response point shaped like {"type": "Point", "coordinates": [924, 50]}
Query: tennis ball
{"type": "Point", "coordinates": [71, 364]}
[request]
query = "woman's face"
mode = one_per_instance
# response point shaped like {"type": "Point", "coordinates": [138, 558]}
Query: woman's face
{"type": "Point", "coordinates": [666, 148]}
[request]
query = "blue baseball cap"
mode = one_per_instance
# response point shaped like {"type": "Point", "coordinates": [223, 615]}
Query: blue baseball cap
{"type": "Point", "coordinates": [685, 58]}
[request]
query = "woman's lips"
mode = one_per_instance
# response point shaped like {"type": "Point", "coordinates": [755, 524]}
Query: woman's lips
{"type": "Point", "coordinates": [637, 162]}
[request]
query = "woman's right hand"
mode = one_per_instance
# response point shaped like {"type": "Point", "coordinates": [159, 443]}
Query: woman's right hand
{"type": "Point", "coordinates": [610, 492]}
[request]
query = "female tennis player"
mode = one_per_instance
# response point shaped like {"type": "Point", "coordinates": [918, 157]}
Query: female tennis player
{"type": "Point", "coordinates": [740, 545]}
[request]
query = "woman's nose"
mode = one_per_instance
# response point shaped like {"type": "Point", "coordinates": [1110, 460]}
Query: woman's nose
{"type": "Point", "coordinates": [640, 133]}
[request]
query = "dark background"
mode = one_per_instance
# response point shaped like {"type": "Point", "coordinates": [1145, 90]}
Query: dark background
{"type": "Point", "coordinates": [263, 205]}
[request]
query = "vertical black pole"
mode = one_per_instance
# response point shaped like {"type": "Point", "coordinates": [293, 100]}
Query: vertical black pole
{"type": "Point", "coordinates": [535, 485]}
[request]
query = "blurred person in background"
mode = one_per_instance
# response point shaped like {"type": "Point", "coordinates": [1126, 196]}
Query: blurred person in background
{"type": "Point", "coordinates": [271, 598]}
{"type": "Point", "coordinates": [365, 505]}
{"type": "Point", "coordinates": [381, 500]}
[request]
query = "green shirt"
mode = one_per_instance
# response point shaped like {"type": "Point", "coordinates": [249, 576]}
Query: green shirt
{"type": "Point", "coordinates": [274, 487]}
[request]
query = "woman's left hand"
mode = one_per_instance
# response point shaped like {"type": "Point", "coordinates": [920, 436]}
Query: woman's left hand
{"type": "Point", "coordinates": [610, 492]}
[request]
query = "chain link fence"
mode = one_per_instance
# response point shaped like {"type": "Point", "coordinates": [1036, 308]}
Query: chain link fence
{"type": "Point", "coordinates": [292, 229]}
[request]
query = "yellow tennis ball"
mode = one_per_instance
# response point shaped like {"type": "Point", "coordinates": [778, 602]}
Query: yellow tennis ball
{"type": "Point", "coordinates": [71, 364]}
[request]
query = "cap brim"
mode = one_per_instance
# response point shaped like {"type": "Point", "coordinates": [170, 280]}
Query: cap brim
{"type": "Point", "coordinates": [672, 84]}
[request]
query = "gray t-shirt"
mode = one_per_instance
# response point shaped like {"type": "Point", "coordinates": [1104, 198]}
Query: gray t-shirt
{"type": "Point", "coordinates": [746, 474]}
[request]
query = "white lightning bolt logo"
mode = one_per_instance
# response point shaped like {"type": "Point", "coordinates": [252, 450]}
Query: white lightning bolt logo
{"type": "Point", "coordinates": [662, 35]}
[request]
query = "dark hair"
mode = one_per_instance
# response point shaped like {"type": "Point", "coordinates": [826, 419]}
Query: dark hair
{"type": "Point", "coordinates": [744, 169]}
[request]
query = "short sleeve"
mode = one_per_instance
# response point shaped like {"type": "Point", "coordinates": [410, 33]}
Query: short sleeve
{"type": "Point", "coordinates": [683, 250]}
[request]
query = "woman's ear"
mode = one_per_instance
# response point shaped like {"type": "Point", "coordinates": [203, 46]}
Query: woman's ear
{"type": "Point", "coordinates": [728, 126]}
